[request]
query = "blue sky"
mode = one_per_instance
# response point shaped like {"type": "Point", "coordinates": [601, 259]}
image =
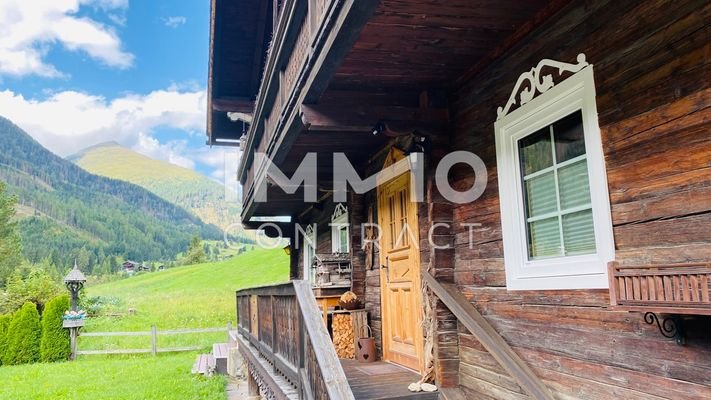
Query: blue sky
{"type": "Point", "coordinates": [74, 73]}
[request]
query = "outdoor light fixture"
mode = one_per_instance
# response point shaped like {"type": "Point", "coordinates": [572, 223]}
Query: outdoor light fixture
{"type": "Point", "coordinates": [378, 129]}
{"type": "Point", "coordinates": [74, 281]}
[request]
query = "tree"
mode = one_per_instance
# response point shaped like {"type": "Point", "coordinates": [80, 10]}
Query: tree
{"type": "Point", "coordinates": [84, 258]}
{"type": "Point", "coordinates": [23, 338]}
{"type": "Point", "coordinates": [10, 246]}
{"type": "Point", "coordinates": [5, 320]}
{"type": "Point", "coordinates": [196, 252]}
{"type": "Point", "coordinates": [54, 344]}
{"type": "Point", "coordinates": [28, 284]}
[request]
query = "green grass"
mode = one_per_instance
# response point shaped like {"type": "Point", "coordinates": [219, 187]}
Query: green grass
{"type": "Point", "coordinates": [185, 297]}
{"type": "Point", "coordinates": [165, 377]}
{"type": "Point", "coordinates": [197, 296]}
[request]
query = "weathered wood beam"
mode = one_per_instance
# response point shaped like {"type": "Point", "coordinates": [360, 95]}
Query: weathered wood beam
{"type": "Point", "coordinates": [468, 316]}
{"type": "Point", "coordinates": [233, 104]}
{"type": "Point", "coordinates": [328, 117]}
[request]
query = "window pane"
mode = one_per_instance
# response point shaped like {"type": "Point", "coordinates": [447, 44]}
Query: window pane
{"type": "Point", "coordinates": [578, 233]}
{"type": "Point", "coordinates": [544, 238]}
{"type": "Point", "coordinates": [569, 137]}
{"type": "Point", "coordinates": [540, 195]}
{"type": "Point", "coordinates": [574, 185]}
{"type": "Point", "coordinates": [344, 240]}
{"type": "Point", "coordinates": [535, 151]}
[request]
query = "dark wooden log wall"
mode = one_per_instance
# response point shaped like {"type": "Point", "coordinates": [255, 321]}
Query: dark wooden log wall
{"type": "Point", "coordinates": [366, 282]}
{"type": "Point", "coordinates": [651, 61]}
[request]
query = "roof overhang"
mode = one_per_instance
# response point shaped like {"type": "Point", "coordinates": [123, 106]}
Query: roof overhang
{"type": "Point", "coordinates": [239, 40]}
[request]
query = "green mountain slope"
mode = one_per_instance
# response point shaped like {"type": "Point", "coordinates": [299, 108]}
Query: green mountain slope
{"type": "Point", "coordinates": [65, 208]}
{"type": "Point", "coordinates": [184, 187]}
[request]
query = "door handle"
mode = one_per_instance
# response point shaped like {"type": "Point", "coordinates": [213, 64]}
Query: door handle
{"type": "Point", "coordinates": [386, 267]}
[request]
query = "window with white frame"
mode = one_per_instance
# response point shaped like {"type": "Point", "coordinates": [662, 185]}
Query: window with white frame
{"type": "Point", "coordinates": [309, 251]}
{"type": "Point", "coordinates": [555, 210]}
{"type": "Point", "coordinates": [339, 229]}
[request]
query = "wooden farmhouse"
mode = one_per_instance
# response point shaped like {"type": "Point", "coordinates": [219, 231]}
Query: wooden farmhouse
{"type": "Point", "coordinates": [130, 267]}
{"type": "Point", "coordinates": [519, 192]}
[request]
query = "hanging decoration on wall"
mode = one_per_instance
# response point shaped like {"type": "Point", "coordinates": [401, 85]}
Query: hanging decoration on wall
{"type": "Point", "coordinates": [369, 236]}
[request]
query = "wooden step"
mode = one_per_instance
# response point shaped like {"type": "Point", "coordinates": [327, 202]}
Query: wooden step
{"type": "Point", "coordinates": [232, 335]}
{"type": "Point", "coordinates": [220, 354]}
{"type": "Point", "coordinates": [204, 364]}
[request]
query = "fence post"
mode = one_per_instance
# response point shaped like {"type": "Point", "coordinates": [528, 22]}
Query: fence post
{"type": "Point", "coordinates": [154, 340]}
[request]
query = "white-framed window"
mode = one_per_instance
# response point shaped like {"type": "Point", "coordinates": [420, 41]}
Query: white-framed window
{"type": "Point", "coordinates": [309, 252]}
{"type": "Point", "coordinates": [555, 209]}
{"type": "Point", "coordinates": [340, 234]}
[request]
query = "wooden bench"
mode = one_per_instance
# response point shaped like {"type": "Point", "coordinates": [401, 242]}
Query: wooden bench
{"type": "Point", "coordinates": [664, 288]}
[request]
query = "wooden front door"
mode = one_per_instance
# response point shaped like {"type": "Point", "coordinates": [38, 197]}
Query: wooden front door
{"type": "Point", "coordinates": [401, 299]}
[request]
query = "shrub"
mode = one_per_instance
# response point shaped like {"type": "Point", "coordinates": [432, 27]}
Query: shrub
{"type": "Point", "coordinates": [54, 344]}
{"type": "Point", "coordinates": [97, 305]}
{"type": "Point", "coordinates": [23, 337]}
{"type": "Point", "coordinates": [4, 325]}
{"type": "Point", "coordinates": [28, 283]}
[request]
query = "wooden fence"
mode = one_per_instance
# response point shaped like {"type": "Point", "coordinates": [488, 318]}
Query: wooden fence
{"type": "Point", "coordinates": [153, 333]}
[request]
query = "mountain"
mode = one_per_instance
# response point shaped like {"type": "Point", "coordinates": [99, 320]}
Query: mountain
{"type": "Point", "coordinates": [184, 187]}
{"type": "Point", "coordinates": [67, 212]}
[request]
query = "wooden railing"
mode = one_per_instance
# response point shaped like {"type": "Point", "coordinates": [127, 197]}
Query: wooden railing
{"type": "Point", "coordinates": [471, 319]}
{"type": "Point", "coordinates": [671, 289]}
{"type": "Point", "coordinates": [283, 325]}
{"type": "Point", "coordinates": [308, 42]}
{"type": "Point", "coordinates": [296, 37]}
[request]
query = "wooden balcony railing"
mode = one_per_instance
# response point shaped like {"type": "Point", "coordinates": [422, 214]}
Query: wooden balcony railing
{"type": "Point", "coordinates": [670, 289]}
{"type": "Point", "coordinates": [296, 37]}
{"type": "Point", "coordinates": [282, 325]}
{"type": "Point", "coordinates": [309, 39]}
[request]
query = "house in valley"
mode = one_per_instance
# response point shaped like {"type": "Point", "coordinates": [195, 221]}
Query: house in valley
{"type": "Point", "coordinates": [518, 191]}
{"type": "Point", "coordinates": [130, 267]}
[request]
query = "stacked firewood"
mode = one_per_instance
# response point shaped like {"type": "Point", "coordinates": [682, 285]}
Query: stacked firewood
{"type": "Point", "coordinates": [343, 335]}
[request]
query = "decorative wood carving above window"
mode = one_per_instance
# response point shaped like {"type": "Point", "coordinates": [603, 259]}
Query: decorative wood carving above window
{"type": "Point", "coordinates": [339, 211]}
{"type": "Point", "coordinates": [538, 82]}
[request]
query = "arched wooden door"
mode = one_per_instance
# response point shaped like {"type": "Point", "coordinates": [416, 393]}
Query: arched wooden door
{"type": "Point", "coordinates": [401, 299]}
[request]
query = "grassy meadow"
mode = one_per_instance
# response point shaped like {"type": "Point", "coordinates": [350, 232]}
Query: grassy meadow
{"type": "Point", "coordinates": [166, 377]}
{"type": "Point", "coordinates": [197, 296]}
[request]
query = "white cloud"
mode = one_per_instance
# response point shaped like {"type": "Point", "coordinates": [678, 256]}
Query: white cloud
{"type": "Point", "coordinates": [68, 121]}
{"type": "Point", "coordinates": [28, 29]}
{"type": "Point", "coordinates": [173, 151]}
{"type": "Point", "coordinates": [174, 21]}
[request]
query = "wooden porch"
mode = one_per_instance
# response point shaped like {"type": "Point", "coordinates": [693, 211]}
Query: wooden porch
{"type": "Point", "coordinates": [382, 380]}
{"type": "Point", "coordinates": [289, 352]}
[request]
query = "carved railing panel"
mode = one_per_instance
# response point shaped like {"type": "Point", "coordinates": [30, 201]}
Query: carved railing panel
{"type": "Point", "coordinates": [673, 289]}
{"type": "Point", "coordinates": [292, 338]}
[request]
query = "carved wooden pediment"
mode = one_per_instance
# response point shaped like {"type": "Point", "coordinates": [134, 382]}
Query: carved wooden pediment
{"type": "Point", "coordinates": [536, 82]}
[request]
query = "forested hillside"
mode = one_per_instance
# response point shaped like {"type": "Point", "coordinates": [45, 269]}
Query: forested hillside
{"type": "Point", "coordinates": [184, 187]}
{"type": "Point", "coordinates": [68, 212]}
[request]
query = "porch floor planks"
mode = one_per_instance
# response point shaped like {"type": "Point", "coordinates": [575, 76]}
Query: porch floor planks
{"type": "Point", "coordinates": [381, 381]}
